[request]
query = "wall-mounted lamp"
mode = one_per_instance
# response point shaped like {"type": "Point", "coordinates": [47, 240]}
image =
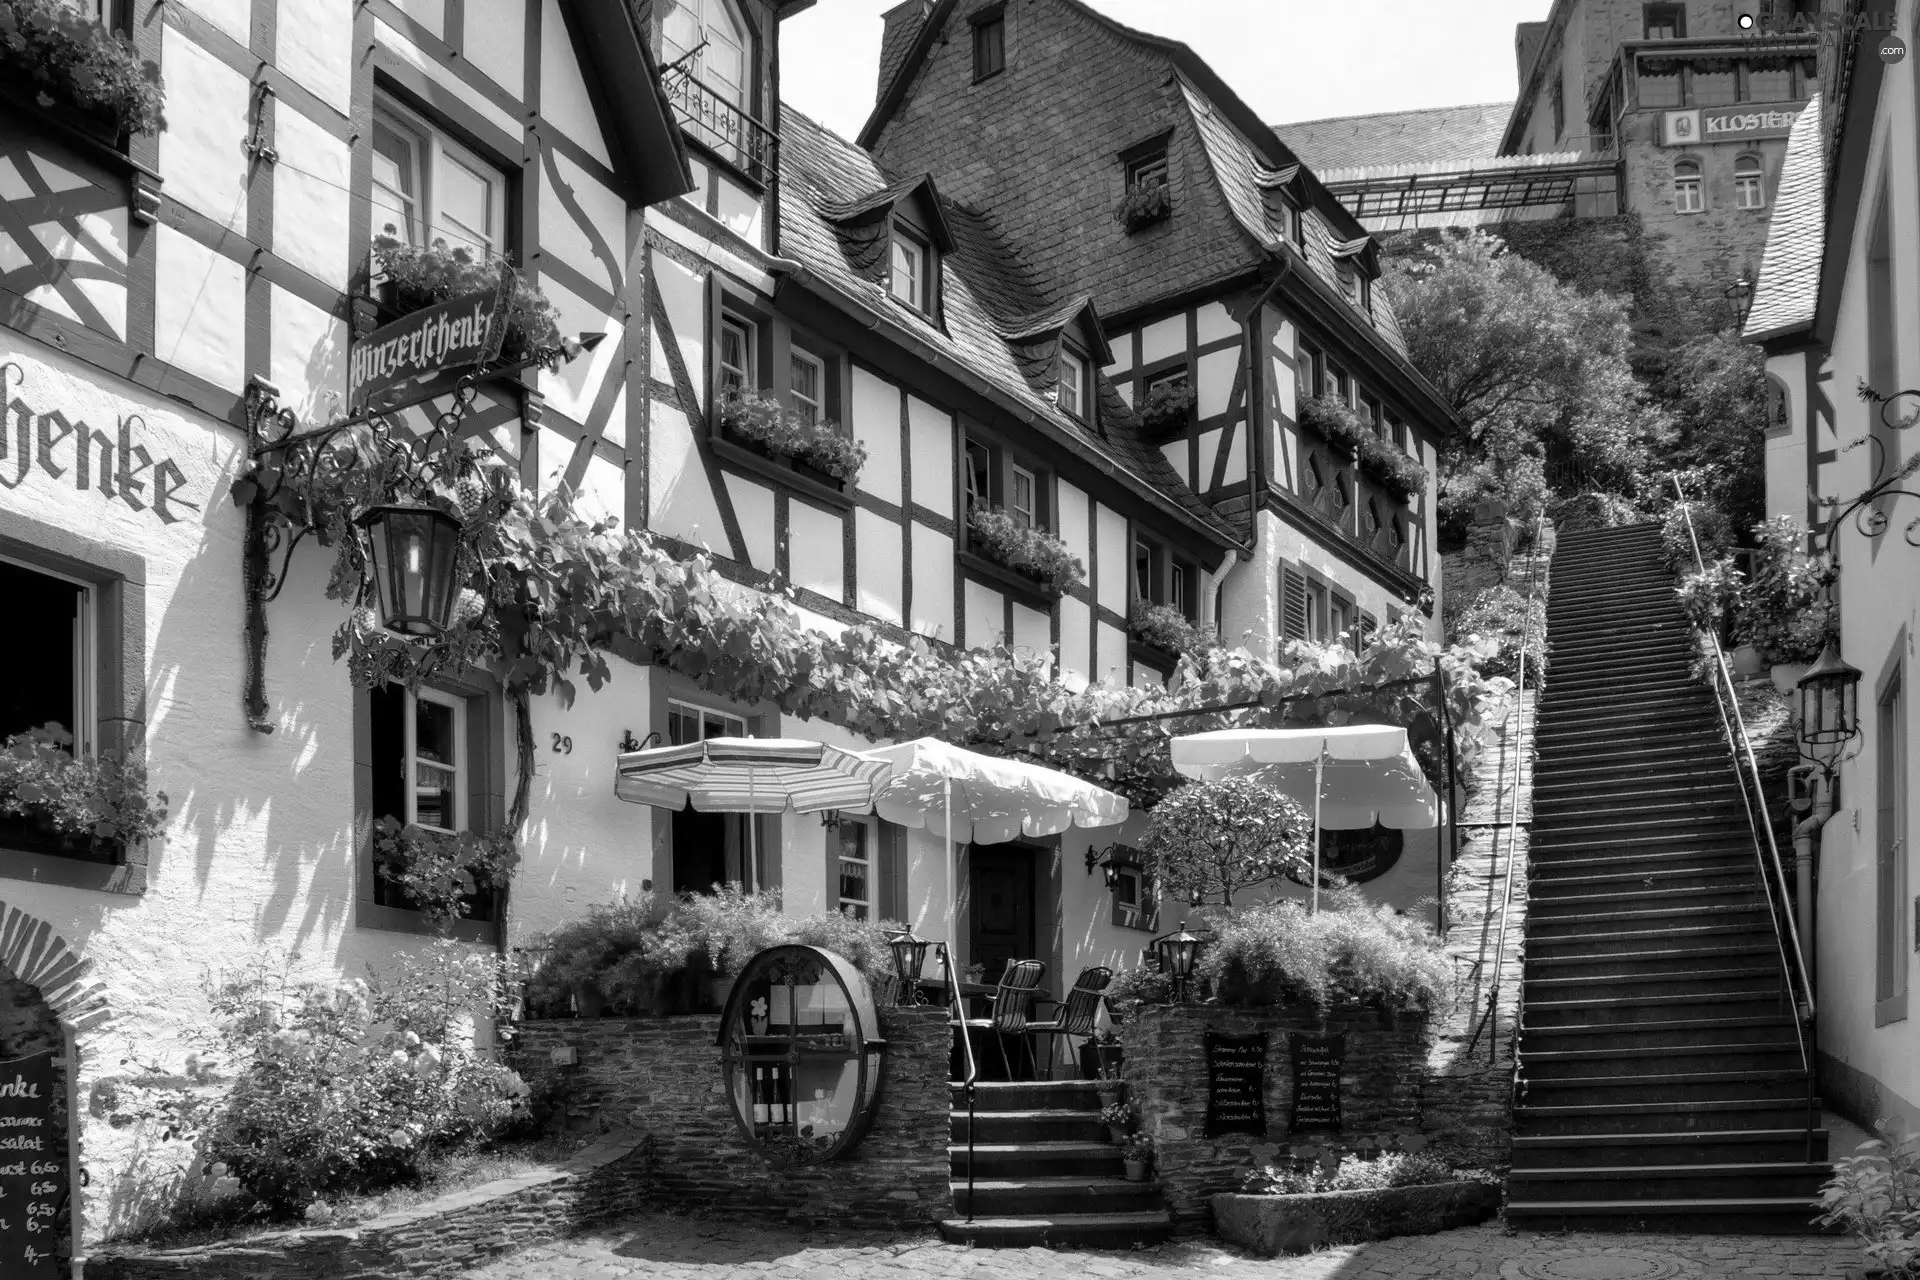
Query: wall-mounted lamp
{"type": "Point", "coordinates": [1111, 859]}
{"type": "Point", "coordinates": [1829, 708]}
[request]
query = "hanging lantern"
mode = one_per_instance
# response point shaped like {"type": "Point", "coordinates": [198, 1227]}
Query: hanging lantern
{"type": "Point", "coordinates": [909, 957]}
{"type": "Point", "coordinates": [1829, 705]}
{"type": "Point", "coordinates": [414, 550]}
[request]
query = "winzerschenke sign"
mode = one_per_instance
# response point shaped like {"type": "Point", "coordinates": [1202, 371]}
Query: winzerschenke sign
{"type": "Point", "coordinates": [455, 334]}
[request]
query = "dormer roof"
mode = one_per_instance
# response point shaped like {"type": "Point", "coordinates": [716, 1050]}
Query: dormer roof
{"type": "Point", "coordinates": [649, 153]}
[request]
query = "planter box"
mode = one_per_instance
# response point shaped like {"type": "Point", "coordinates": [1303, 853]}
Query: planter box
{"type": "Point", "coordinates": [1273, 1225]}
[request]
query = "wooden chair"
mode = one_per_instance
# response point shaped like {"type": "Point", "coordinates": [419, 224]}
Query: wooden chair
{"type": "Point", "coordinates": [1074, 1017]}
{"type": "Point", "coordinates": [1011, 1004]}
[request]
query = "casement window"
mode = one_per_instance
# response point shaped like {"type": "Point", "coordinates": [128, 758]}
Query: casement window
{"type": "Point", "coordinates": [428, 189]}
{"type": "Point", "coordinates": [52, 655]}
{"type": "Point", "coordinates": [1144, 555]}
{"type": "Point", "coordinates": [433, 759]}
{"type": "Point", "coordinates": [1071, 392]}
{"type": "Point", "coordinates": [1664, 21]}
{"type": "Point", "coordinates": [1133, 904]}
{"type": "Point", "coordinates": [1319, 611]}
{"type": "Point", "coordinates": [1559, 99]}
{"type": "Point", "coordinates": [709, 849]}
{"type": "Point", "coordinates": [1149, 170]}
{"type": "Point", "coordinates": [866, 872]}
{"type": "Point", "coordinates": [1688, 194]}
{"type": "Point", "coordinates": [989, 43]}
{"type": "Point", "coordinates": [806, 385]}
{"type": "Point", "coordinates": [1749, 184]}
{"type": "Point", "coordinates": [979, 477]}
{"type": "Point", "coordinates": [711, 40]}
{"type": "Point", "coordinates": [856, 870]}
{"type": "Point", "coordinates": [1892, 942]}
{"type": "Point", "coordinates": [909, 278]}
{"type": "Point", "coordinates": [735, 357]}
{"type": "Point", "coordinates": [1659, 84]}
{"type": "Point", "coordinates": [1769, 82]}
{"type": "Point", "coordinates": [1023, 495]}
{"type": "Point", "coordinates": [1311, 371]}
{"type": "Point", "coordinates": [1715, 84]}
{"type": "Point", "coordinates": [1338, 385]}
{"type": "Point", "coordinates": [1369, 410]}
{"type": "Point", "coordinates": [1161, 577]}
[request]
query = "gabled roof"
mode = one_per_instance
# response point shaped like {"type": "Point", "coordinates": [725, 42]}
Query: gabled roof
{"type": "Point", "coordinates": [649, 152]}
{"type": "Point", "coordinates": [1444, 135]}
{"type": "Point", "coordinates": [988, 307]}
{"type": "Point", "coordinates": [1788, 291]}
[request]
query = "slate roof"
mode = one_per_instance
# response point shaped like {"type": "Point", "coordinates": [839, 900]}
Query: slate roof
{"type": "Point", "coordinates": [1785, 296]}
{"type": "Point", "coordinates": [1444, 135]}
{"type": "Point", "coordinates": [984, 296]}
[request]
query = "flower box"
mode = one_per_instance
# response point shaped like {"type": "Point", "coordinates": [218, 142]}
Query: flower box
{"type": "Point", "coordinates": [818, 450]}
{"type": "Point", "coordinates": [1377, 459]}
{"type": "Point", "coordinates": [54, 54]}
{"type": "Point", "coordinates": [1165, 628]}
{"type": "Point", "coordinates": [1141, 207]}
{"type": "Point", "coordinates": [414, 277]}
{"type": "Point", "coordinates": [77, 806]}
{"type": "Point", "coordinates": [1168, 406]}
{"type": "Point", "coordinates": [1273, 1225]}
{"type": "Point", "coordinates": [1030, 552]}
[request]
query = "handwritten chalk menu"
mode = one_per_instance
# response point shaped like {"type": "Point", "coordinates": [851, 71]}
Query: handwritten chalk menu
{"type": "Point", "coordinates": [1316, 1082]}
{"type": "Point", "coordinates": [33, 1168]}
{"type": "Point", "coordinates": [1236, 1083]}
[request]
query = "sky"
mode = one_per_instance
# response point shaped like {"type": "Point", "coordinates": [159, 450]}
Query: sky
{"type": "Point", "coordinates": [1289, 59]}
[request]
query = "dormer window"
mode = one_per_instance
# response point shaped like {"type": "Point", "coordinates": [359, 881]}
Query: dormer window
{"type": "Point", "coordinates": [1071, 394]}
{"type": "Point", "coordinates": [908, 280]}
{"type": "Point", "coordinates": [989, 43]}
{"type": "Point", "coordinates": [1148, 195]}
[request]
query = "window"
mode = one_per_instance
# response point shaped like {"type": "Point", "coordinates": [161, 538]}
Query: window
{"type": "Point", "coordinates": [1559, 107]}
{"type": "Point", "coordinates": [1715, 84]}
{"type": "Point", "coordinates": [1767, 83]}
{"type": "Point", "coordinates": [979, 475]}
{"type": "Point", "coordinates": [1665, 21]}
{"type": "Point", "coordinates": [1748, 191]}
{"type": "Point", "coordinates": [1143, 569]}
{"type": "Point", "coordinates": [58, 645]}
{"type": "Point", "coordinates": [436, 769]}
{"type": "Point", "coordinates": [1659, 84]}
{"type": "Point", "coordinates": [736, 356]}
{"type": "Point", "coordinates": [856, 870]}
{"type": "Point", "coordinates": [1311, 371]}
{"type": "Point", "coordinates": [1688, 196]}
{"type": "Point", "coordinates": [1366, 293]}
{"type": "Point", "coordinates": [806, 386]}
{"type": "Point", "coordinates": [1338, 385]}
{"type": "Point", "coordinates": [1022, 503]}
{"type": "Point", "coordinates": [1133, 905]}
{"type": "Point", "coordinates": [426, 765]}
{"type": "Point", "coordinates": [1890, 856]}
{"type": "Point", "coordinates": [907, 281]}
{"type": "Point", "coordinates": [1071, 395]}
{"type": "Point", "coordinates": [710, 40]}
{"type": "Point", "coordinates": [1148, 171]}
{"type": "Point", "coordinates": [1177, 588]}
{"type": "Point", "coordinates": [989, 44]}
{"type": "Point", "coordinates": [428, 189]}
{"type": "Point", "coordinates": [717, 848]}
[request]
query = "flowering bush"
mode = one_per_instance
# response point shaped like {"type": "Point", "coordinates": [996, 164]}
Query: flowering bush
{"type": "Point", "coordinates": [1876, 1196]}
{"type": "Point", "coordinates": [1143, 206]}
{"type": "Point", "coordinates": [345, 1087]}
{"type": "Point", "coordinates": [1168, 405]}
{"type": "Point", "coordinates": [1784, 611]}
{"type": "Point", "coordinates": [1138, 1146]}
{"type": "Point", "coordinates": [1383, 1173]}
{"type": "Point", "coordinates": [616, 946]}
{"type": "Point", "coordinates": [440, 871]}
{"type": "Point", "coordinates": [1216, 838]}
{"type": "Point", "coordinates": [1117, 1115]}
{"type": "Point", "coordinates": [1499, 614]}
{"type": "Point", "coordinates": [1025, 549]}
{"type": "Point", "coordinates": [100, 797]}
{"type": "Point", "coordinates": [1349, 951]}
{"type": "Point", "coordinates": [1710, 597]}
{"type": "Point", "coordinates": [1165, 627]}
{"type": "Point", "coordinates": [422, 275]}
{"type": "Point", "coordinates": [61, 52]}
{"type": "Point", "coordinates": [778, 429]}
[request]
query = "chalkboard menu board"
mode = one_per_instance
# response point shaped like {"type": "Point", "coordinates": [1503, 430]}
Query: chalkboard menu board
{"type": "Point", "coordinates": [1316, 1082]}
{"type": "Point", "coordinates": [1236, 1083]}
{"type": "Point", "coordinates": [33, 1168]}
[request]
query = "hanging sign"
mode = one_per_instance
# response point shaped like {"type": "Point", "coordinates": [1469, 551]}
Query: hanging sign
{"type": "Point", "coordinates": [1317, 1060]}
{"type": "Point", "coordinates": [456, 334]}
{"type": "Point", "coordinates": [1236, 1083]}
{"type": "Point", "coordinates": [33, 1168]}
{"type": "Point", "coordinates": [1743, 123]}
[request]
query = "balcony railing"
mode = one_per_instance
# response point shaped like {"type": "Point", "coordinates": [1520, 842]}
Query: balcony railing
{"type": "Point", "coordinates": [713, 120]}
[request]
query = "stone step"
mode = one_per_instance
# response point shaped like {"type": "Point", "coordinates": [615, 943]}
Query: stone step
{"type": "Point", "coordinates": [1577, 736]}
{"type": "Point", "coordinates": [1586, 841]}
{"type": "Point", "coordinates": [1685, 1147]}
{"type": "Point", "coordinates": [1662, 760]}
{"type": "Point", "coordinates": [1601, 694]}
{"type": "Point", "coordinates": [1566, 925]}
{"type": "Point", "coordinates": [1668, 964]}
{"type": "Point", "coordinates": [1629, 1013]}
{"type": "Point", "coordinates": [1030, 1196]}
{"type": "Point", "coordinates": [1620, 614]}
{"type": "Point", "coordinates": [1728, 853]}
{"type": "Point", "coordinates": [1648, 894]}
{"type": "Point", "coordinates": [1642, 1062]}
{"type": "Point", "coordinates": [1082, 1230]}
{"type": "Point", "coordinates": [1608, 651]}
{"type": "Point", "coordinates": [1632, 1182]}
{"type": "Point", "coordinates": [1709, 1116]}
{"type": "Point", "coordinates": [1588, 596]}
{"type": "Point", "coordinates": [1741, 979]}
{"type": "Point", "coordinates": [1719, 803]}
{"type": "Point", "coordinates": [1669, 1086]}
{"type": "Point", "coordinates": [1728, 1215]}
{"type": "Point", "coordinates": [1029, 1095]}
{"type": "Point", "coordinates": [1654, 788]}
{"type": "Point", "coordinates": [1035, 1159]}
{"type": "Point", "coordinates": [1029, 1126]}
{"type": "Point", "coordinates": [1765, 1029]}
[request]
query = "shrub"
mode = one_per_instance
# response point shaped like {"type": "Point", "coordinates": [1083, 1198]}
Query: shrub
{"type": "Point", "coordinates": [1141, 985]}
{"type": "Point", "coordinates": [423, 275]}
{"type": "Point", "coordinates": [63, 53]}
{"type": "Point", "coordinates": [1217, 838]}
{"type": "Point", "coordinates": [1712, 597]}
{"type": "Point", "coordinates": [1024, 549]}
{"type": "Point", "coordinates": [1138, 1146]}
{"type": "Point", "coordinates": [1354, 1173]}
{"type": "Point", "coordinates": [615, 946]}
{"type": "Point", "coordinates": [1167, 628]}
{"type": "Point", "coordinates": [99, 797]}
{"type": "Point", "coordinates": [1785, 613]}
{"type": "Point", "coordinates": [1710, 526]}
{"type": "Point", "coordinates": [864, 942]}
{"type": "Point", "coordinates": [1168, 405]}
{"type": "Point", "coordinates": [1876, 1196]}
{"type": "Point", "coordinates": [1143, 206]}
{"type": "Point", "coordinates": [1348, 952]}
{"type": "Point", "coordinates": [772, 425]}
{"type": "Point", "coordinates": [728, 927]}
{"type": "Point", "coordinates": [1500, 616]}
{"type": "Point", "coordinates": [342, 1088]}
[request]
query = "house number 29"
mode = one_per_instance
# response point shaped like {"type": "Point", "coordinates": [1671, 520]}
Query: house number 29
{"type": "Point", "coordinates": [562, 745]}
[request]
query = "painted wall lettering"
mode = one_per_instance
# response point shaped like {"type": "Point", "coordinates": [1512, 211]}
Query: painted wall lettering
{"type": "Point", "coordinates": [116, 466]}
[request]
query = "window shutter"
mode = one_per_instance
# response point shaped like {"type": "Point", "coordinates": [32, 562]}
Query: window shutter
{"type": "Point", "coordinates": [388, 749]}
{"type": "Point", "coordinates": [1293, 604]}
{"type": "Point", "coordinates": [890, 873]}
{"type": "Point", "coordinates": [1368, 625]}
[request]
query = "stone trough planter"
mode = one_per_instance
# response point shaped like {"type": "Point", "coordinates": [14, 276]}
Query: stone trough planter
{"type": "Point", "coordinates": [1273, 1225]}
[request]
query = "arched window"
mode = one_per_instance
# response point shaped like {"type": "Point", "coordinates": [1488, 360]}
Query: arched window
{"type": "Point", "coordinates": [1688, 195]}
{"type": "Point", "coordinates": [1779, 422]}
{"type": "Point", "coordinates": [1749, 183]}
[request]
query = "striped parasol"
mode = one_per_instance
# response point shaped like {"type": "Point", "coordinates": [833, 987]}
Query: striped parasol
{"type": "Point", "coordinates": [750, 775]}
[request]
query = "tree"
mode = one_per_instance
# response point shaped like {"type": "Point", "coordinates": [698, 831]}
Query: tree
{"type": "Point", "coordinates": [1220, 837]}
{"type": "Point", "coordinates": [1537, 371]}
{"type": "Point", "coordinates": [1716, 388]}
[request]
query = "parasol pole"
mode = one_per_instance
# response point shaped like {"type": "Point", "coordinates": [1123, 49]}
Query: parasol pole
{"type": "Point", "coordinates": [1319, 773]}
{"type": "Point", "coordinates": [753, 836]}
{"type": "Point", "coordinates": [953, 913]}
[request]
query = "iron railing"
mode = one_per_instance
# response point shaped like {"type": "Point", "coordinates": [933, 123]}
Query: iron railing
{"type": "Point", "coordinates": [1786, 930]}
{"type": "Point", "coordinates": [713, 119]}
{"type": "Point", "coordinates": [957, 1015]}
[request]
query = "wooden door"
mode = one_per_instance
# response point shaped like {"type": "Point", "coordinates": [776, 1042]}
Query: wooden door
{"type": "Point", "coordinates": [1001, 889]}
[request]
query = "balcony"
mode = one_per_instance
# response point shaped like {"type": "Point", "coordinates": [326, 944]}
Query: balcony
{"type": "Point", "coordinates": [713, 120]}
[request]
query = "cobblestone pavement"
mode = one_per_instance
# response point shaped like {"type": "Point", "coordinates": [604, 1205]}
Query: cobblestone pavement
{"type": "Point", "coordinates": [692, 1247]}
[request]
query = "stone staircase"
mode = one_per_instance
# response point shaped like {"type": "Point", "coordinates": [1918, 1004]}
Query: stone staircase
{"type": "Point", "coordinates": [1045, 1172]}
{"type": "Point", "coordinates": [1660, 1078]}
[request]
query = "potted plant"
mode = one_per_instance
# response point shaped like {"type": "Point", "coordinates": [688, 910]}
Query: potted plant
{"type": "Point", "coordinates": [599, 957]}
{"type": "Point", "coordinates": [1118, 1118]}
{"type": "Point", "coordinates": [819, 446]}
{"type": "Point", "coordinates": [80, 802]}
{"type": "Point", "coordinates": [1032, 552]}
{"type": "Point", "coordinates": [54, 50]}
{"type": "Point", "coordinates": [1136, 1153]}
{"type": "Point", "coordinates": [1166, 628]}
{"type": "Point", "coordinates": [1167, 405]}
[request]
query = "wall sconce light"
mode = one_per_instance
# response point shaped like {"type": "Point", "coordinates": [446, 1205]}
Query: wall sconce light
{"type": "Point", "coordinates": [1829, 708]}
{"type": "Point", "coordinates": [1109, 860]}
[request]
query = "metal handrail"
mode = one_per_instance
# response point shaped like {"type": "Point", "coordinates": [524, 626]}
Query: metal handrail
{"type": "Point", "coordinates": [968, 1086]}
{"type": "Point", "coordinates": [1741, 745]}
{"type": "Point", "coordinates": [1513, 797]}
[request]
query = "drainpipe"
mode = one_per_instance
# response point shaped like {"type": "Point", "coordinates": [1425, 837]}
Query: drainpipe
{"type": "Point", "coordinates": [1809, 786]}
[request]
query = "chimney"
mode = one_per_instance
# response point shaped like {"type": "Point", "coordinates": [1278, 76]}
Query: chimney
{"type": "Point", "coordinates": [1527, 38]}
{"type": "Point", "coordinates": [903, 24]}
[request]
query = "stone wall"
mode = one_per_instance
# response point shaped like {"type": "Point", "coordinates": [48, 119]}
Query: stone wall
{"type": "Point", "coordinates": [440, 1238]}
{"type": "Point", "coordinates": [661, 1077]}
{"type": "Point", "coordinates": [1166, 1074]}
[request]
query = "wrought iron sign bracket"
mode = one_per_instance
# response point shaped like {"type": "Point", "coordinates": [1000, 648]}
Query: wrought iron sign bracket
{"type": "Point", "coordinates": [1866, 508]}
